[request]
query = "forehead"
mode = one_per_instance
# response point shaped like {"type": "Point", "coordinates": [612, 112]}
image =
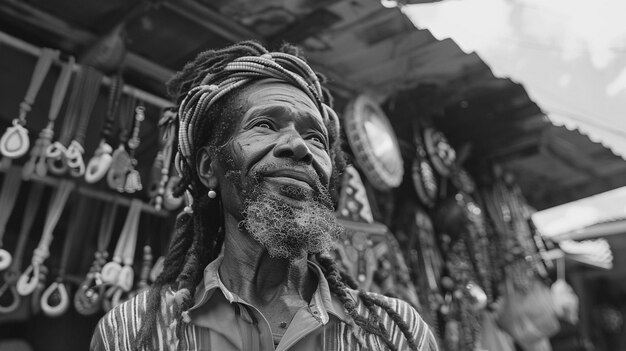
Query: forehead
{"type": "Point", "coordinates": [269, 93]}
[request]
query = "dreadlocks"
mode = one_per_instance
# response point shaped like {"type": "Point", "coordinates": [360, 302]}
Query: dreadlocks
{"type": "Point", "coordinates": [204, 91]}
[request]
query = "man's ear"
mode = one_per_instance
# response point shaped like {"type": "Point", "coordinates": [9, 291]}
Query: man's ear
{"type": "Point", "coordinates": [205, 166]}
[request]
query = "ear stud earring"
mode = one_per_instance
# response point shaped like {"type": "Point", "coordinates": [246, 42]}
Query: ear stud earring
{"type": "Point", "coordinates": [212, 194]}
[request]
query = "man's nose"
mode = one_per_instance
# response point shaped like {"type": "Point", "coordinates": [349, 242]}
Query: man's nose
{"type": "Point", "coordinates": [293, 146]}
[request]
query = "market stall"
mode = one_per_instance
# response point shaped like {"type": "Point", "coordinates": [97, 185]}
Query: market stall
{"type": "Point", "coordinates": [436, 203]}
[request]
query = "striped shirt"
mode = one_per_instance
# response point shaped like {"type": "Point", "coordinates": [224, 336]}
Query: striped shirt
{"type": "Point", "coordinates": [220, 320]}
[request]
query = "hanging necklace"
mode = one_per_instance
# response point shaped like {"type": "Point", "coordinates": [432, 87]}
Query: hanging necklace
{"type": "Point", "coordinates": [37, 162]}
{"type": "Point", "coordinates": [55, 300]}
{"type": "Point", "coordinates": [12, 274]}
{"type": "Point", "coordinates": [75, 150]}
{"type": "Point", "coordinates": [14, 142]}
{"type": "Point", "coordinates": [63, 154]}
{"type": "Point", "coordinates": [101, 161]}
{"type": "Point", "coordinates": [88, 298]}
{"type": "Point", "coordinates": [119, 272]}
{"type": "Point", "coordinates": [121, 162]}
{"type": "Point", "coordinates": [34, 275]}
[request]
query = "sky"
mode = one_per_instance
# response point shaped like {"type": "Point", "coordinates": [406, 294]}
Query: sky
{"type": "Point", "coordinates": [570, 55]}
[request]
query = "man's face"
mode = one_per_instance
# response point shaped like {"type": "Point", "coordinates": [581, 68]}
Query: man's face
{"type": "Point", "coordinates": [277, 169]}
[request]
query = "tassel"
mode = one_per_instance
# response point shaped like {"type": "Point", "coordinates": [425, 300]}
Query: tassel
{"type": "Point", "coordinates": [133, 182]}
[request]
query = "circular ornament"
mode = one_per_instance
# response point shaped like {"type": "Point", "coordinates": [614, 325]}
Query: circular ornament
{"type": "Point", "coordinates": [374, 143]}
{"type": "Point", "coordinates": [14, 142]}
{"type": "Point", "coordinates": [441, 154]}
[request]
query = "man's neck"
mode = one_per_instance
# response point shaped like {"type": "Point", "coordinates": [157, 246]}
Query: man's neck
{"type": "Point", "coordinates": [248, 271]}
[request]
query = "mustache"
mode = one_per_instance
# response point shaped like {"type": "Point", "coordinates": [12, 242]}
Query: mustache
{"type": "Point", "coordinates": [270, 168]}
{"type": "Point", "coordinates": [320, 192]}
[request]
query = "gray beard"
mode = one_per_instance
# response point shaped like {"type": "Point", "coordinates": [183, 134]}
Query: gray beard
{"type": "Point", "coordinates": [287, 231]}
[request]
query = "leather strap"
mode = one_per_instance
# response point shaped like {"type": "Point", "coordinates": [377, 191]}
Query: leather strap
{"type": "Point", "coordinates": [88, 298]}
{"type": "Point", "coordinates": [37, 162]}
{"type": "Point", "coordinates": [101, 161]}
{"type": "Point", "coordinates": [55, 153]}
{"type": "Point", "coordinates": [15, 143]}
{"type": "Point", "coordinates": [121, 277]}
{"type": "Point", "coordinates": [10, 189]}
{"type": "Point", "coordinates": [75, 151]}
{"type": "Point", "coordinates": [55, 299]}
{"type": "Point", "coordinates": [12, 274]}
{"type": "Point", "coordinates": [30, 278]}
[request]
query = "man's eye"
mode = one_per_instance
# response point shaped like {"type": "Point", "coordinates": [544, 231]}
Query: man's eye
{"type": "Point", "coordinates": [317, 139]}
{"type": "Point", "coordinates": [263, 125]}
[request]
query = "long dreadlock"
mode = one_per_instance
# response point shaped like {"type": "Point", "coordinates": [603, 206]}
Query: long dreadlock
{"type": "Point", "coordinates": [204, 90]}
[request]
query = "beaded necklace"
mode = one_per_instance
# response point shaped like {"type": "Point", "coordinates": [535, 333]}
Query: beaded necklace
{"type": "Point", "coordinates": [162, 163]}
{"type": "Point", "coordinates": [133, 180]}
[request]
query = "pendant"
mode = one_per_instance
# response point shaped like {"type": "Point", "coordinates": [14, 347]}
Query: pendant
{"type": "Point", "coordinates": [55, 158]}
{"type": "Point", "coordinates": [100, 163]}
{"type": "Point", "coordinates": [125, 278]}
{"type": "Point", "coordinates": [56, 291]}
{"type": "Point", "coordinates": [111, 272]}
{"type": "Point", "coordinates": [120, 166]}
{"type": "Point", "coordinates": [5, 259]}
{"type": "Point", "coordinates": [14, 142]}
{"type": "Point", "coordinates": [74, 159]}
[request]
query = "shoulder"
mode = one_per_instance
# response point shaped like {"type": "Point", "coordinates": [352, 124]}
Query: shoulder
{"type": "Point", "coordinates": [404, 313]}
{"type": "Point", "coordinates": [118, 328]}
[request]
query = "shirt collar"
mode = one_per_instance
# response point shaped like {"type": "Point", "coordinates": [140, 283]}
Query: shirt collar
{"type": "Point", "coordinates": [327, 302]}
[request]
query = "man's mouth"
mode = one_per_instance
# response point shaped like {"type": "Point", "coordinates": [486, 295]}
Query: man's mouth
{"type": "Point", "coordinates": [291, 177]}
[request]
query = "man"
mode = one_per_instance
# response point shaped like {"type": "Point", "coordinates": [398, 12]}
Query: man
{"type": "Point", "coordinates": [248, 267]}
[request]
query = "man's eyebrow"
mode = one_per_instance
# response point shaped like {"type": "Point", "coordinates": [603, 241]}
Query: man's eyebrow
{"type": "Point", "coordinates": [278, 110]}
